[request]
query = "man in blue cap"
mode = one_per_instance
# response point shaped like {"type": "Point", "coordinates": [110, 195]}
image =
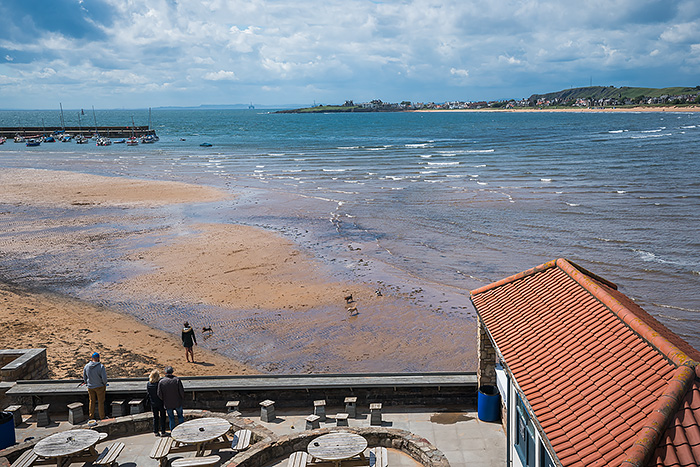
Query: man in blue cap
{"type": "Point", "coordinates": [95, 377]}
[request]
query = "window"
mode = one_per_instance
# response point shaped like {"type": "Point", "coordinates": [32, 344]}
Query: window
{"type": "Point", "coordinates": [524, 435]}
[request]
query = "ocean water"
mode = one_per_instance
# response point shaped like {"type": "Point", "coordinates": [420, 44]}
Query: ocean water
{"type": "Point", "coordinates": [440, 202]}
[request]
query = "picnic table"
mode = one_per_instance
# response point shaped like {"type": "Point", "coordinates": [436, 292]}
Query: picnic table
{"type": "Point", "coordinates": [67, 444]}
{"type": "Point", "coordinates": [200, 432]}
{"type": "Point", "coordinates": [337, 447]}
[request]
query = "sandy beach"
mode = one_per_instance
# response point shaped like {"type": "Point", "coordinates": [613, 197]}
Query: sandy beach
{"type": "Point", "coordinates": [252, 282]}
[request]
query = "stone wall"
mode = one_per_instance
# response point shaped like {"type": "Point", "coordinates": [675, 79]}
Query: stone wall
{"type": "Point", "coordinates": [215, 401]}
{"type": "Point", "coordinates": [19, 364]}
{"type": "Point", "coordinates": [266, 446]}
{"type": "Point", "coordinates": [486, 366]}
{"type": "Point", "coordinates": [277, 448]}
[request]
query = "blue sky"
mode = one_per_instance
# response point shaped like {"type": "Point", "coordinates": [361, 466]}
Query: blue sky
{"type": "Point", "coordinates": [148, 53]}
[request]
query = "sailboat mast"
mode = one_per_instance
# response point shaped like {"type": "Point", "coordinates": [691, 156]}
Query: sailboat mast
{"type": "Point", "coordinates": [95, 117]}
{"type": "Point", "coordinates": [63, 123]}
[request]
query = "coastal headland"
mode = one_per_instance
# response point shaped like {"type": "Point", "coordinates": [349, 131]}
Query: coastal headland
{"type": "Point", "coordinates": [228, 275]}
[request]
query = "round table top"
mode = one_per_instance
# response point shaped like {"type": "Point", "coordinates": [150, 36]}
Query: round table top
{"type": "Point", "coordinates": [200, 430]}
{"type": "Point", "coordinates": [66, 443]}
{"type": "Point", "coordinates": [337, 446]}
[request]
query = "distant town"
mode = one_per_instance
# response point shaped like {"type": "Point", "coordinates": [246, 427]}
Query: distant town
{"type": "Point", "coordinates": [586, 97]}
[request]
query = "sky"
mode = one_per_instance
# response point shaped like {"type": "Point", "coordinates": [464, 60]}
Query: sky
{"type": "Point", "coordinates": [150, 53]}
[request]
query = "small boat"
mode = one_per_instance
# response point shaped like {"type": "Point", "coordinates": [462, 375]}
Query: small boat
{"type": "Point", "coordinates": [65, 138]}
{"type": "Point", "coordinates": [33, 142]}
{"type": "Point", "coordinates": [206, 145]}
{"type": "Point", "coordinates": [49, 139]}
{"type": "Point", "coordinates": [103, 141]}
{"type": "Point", "coordinates": [2, 140]}
{"type": "Point", "coordinates": [19, 139]}
{"type": "Point", "coordinates": [133, 141]}
{"type": "Point", "coordinates": [149, 139]}
{"type": "Point", "coordinates": [119, 141]}
{"type": "Point", "coordinates": [80, 139]}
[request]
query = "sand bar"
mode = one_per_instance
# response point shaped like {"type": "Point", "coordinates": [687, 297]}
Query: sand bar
{"type": "Point", "coordinates": [272, 305]}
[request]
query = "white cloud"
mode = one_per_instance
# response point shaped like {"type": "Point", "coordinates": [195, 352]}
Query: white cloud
{"type": "Point", "coordinates": [220, 75]}
{"type": "Point", "coordinates": [348, 49]}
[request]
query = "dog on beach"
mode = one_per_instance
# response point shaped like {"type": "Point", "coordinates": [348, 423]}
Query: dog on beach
{"type": "Point", "coordinates": [352, 309]}
{"type": "Point", "coordinates": [349, 299]}
{"type": "Point", "coordinates": [207, 329]}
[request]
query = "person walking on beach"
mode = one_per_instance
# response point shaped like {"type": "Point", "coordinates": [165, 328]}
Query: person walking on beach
{"type": "Point", "coordinates": [172, 393]}
{"type": "Point", "coordinates": [95, 377]}
{"type": "Point", "coordinates": [157, 406]}
{"type": "Point", "coordinates": [188, 340]}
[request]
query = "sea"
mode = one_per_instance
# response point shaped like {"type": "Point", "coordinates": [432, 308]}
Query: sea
{"type": "Point", "coordinates": [439, 203]}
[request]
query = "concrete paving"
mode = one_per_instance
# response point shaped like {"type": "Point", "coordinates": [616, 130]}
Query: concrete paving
{"type": "Point", "coordinates": [460, 435]}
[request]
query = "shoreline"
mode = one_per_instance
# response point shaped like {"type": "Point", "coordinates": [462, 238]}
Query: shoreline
{"type": "Point", "coordinates": [695, 108]}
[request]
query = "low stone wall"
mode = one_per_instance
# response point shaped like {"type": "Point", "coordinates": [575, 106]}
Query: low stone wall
{"type": "Point", "coordinates": [16, 364]}
{"type": "Point", "coordinates": [278, 448]}
{"type": "Point", "coordinates": [265, 445]}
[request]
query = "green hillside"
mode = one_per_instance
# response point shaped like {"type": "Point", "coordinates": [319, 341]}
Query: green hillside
{"type": "Point", "coordinates": [606, 92]}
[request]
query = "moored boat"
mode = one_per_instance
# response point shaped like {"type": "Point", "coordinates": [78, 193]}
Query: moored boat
{"type": "Point", "coordinates": [33, 142]}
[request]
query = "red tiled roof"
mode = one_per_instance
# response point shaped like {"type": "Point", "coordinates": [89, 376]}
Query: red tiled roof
{"type": "Point", "coordinates": [601, 375]}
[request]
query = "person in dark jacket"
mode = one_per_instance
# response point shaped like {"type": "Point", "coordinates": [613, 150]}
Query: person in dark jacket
{"type": "Point", "coordinates": [157, 406]}
{"type": "Point", "coordinates": [172, 393]}
{"type": "Point", "coordinates": [188, 340]}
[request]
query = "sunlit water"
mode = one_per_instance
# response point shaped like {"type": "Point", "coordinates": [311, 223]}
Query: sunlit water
{"type": "Point", "coordinates": [449, 201]}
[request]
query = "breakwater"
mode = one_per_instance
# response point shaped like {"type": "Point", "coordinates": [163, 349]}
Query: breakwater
{"type": "Point", "coordinates": [108, 131]}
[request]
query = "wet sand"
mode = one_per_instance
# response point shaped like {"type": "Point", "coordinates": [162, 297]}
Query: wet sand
{"type": "Point", "coordinates": [271, 305]}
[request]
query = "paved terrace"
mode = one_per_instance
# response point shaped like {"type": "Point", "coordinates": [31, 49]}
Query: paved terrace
{"type": "Point", "coordinates": [437, 410]}
{"type": "Point", "coordinates": [459, 434]}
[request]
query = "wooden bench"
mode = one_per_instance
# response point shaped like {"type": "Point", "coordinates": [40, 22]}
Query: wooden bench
{"type": "Point", "coordinates": [27, 459]}
{"type": "Point", "coordinates": [195, 461]}
{"type": "Point", "coordinates": [110, 454]}
{"type": "Point", "coordinates": [161, 449]}
{"type": "Point", "coordinates": [298, 459]}
{"type": "Point", "coordinates": [241, 440]}
{"type": "Point", "coordinates": [378, 457]}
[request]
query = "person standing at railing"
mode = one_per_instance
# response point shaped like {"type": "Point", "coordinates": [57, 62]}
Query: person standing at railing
{"type": "Point", "coordinates": [95, 377]}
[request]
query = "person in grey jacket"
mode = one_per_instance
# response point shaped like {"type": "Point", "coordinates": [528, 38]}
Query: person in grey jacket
{"type": "Point", "coordinates": [95, 377]}
{"type": "Point", "coordinates": [172, 393]}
